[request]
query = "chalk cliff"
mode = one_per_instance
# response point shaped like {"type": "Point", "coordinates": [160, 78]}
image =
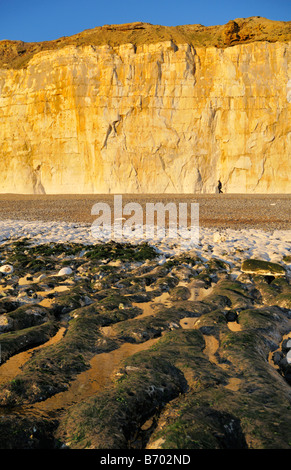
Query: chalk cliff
{"type": "Point", "coordinates": [150, 116]}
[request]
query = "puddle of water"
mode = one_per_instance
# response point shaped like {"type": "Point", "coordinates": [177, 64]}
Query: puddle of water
{"type": "Point", "coordinates": [156, 444]}
{"type": "Point", "coordinates": [47, 302]}
{"type": "Point", "coordinates": [233, 384]}
{"type": "Point", "coordinates": [197, 290]}
{"type": "Point", "coordinates": [96, 379]}
{"type": "Point", "coordinates": [25, 281]}
{"type": "Point", "coordinates": [108, 331]}
{"type": "Point", "coordinates": [12, 367]}
{"type": "Point", "coordinates": [147, 309]}
{"type": "Point", "coordinates": [188, 323]}
{"type": "Point", "coordinates": [147, 306]}
{"type": "Point", "coordinates": [211, 346]}
{"type": "Point", "coordinates": [234, 326]}
{"type": "Point", "coordinates": [52, 291]}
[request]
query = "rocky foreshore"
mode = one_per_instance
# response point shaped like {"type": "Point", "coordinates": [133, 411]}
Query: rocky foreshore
{"type": "Point", "coordinates": [111, 346]}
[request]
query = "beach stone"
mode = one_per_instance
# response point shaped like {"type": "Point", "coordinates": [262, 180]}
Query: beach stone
{"type": "Point", "coordinates": [264, 268]}
{"type": "Point", "coordinates": [277, 357]}
{"type": "Point", "coordinates": [180, 293]}
{"type": "Point", "coordinates": [183, 273]}
{"type": "Point", "coordinates": [65, 272]}
{"type": "Point", "coordinates": [286, 345]}
{"type": "Point", "coordinates": [6, 269]}
{"type": "Point", "coordinates": [218, 237]}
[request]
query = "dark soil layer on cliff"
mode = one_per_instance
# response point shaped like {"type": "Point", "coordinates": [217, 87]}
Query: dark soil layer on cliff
{"type": "Point", "coordinates": [16, 54]}
{"type": "Point", "coordinates": [123, 352]}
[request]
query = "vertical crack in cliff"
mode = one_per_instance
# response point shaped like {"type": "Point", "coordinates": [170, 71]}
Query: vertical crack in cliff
{"type": "Point", "coordinates": [262, 172]}
{"type": "Point", "coordinates": [106, 137]}
{"type": "Point", "coordinates": [167, 174]}
{"type": "Point", "coordinates": [190, 62]}
{"type": "Point", "coordinates": [111, 128]}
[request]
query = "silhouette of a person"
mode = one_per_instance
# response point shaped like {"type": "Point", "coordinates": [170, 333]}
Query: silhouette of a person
{"type": "Point", "coordinates": [219, 186]}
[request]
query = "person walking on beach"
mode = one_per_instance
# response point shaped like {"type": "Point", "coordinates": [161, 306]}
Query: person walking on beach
{"type": "Point", "coordinates": [219, 186]}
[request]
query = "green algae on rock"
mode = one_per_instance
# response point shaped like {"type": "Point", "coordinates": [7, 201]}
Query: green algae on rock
{"type": "Point", "coordinates": [265, 268]}
{"type": "Point", "coordinates": [15, 341]}
{"type": "Point", "coordinates": [188, 380]}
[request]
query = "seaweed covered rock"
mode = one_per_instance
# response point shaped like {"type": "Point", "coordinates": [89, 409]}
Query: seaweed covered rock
{"type": "Point", "coordinates": [29, 432]}
{"type": "Point", "coordinates": [264, 268]}
{"type": "Point", "coordinates": [24, 317]}
{"type": "Point", "coordinates": [180, 293]}
{"type": "Point", "coordinates": [16, 341]}
{"type": "Point", "coordinates": [202, 375]}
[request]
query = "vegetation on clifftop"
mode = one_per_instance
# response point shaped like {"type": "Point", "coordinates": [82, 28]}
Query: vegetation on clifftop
{"type": "Point", "coordinates": [17, 54]}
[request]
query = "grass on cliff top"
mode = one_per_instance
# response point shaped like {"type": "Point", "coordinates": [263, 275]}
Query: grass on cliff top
{"type": "Point", "coordinates": [17, 54]}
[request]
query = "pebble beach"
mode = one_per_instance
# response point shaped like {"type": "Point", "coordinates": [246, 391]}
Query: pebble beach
{"type": "Point", "coordinates": [260, 211]}
{"type": "Point", "coordinates": [232, 227]}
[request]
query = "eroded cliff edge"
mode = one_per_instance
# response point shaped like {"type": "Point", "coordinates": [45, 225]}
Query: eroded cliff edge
{"type": "Point", "coordinates": [166, 114]}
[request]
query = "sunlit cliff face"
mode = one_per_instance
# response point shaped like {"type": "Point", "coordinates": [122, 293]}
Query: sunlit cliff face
{"type": "Point", "coordinates": [154, 118]}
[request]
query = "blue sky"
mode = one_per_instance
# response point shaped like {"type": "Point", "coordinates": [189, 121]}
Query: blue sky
{"type": "Point", "coordinates": [38, 20]}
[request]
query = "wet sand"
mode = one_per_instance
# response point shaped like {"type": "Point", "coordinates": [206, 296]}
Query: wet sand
{"type": "Point", "coordinates": [236, 211]}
